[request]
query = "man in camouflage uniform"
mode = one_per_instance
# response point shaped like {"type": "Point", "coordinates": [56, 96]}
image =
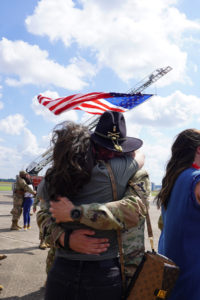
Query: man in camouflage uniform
{"type": "Point", "coordinates": [127, 214]}
{"type": "Point", "coordinates": [42, 244]}
{"type": "Point", "coordinates": [18, 196]}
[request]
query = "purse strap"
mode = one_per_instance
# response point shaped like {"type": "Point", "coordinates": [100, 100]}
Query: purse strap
{"type": "Point", "coordinates": [149, 229]}
{"type": "Point", "coordinates": [119, 237]}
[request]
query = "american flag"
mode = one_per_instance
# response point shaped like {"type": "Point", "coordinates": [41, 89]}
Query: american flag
{"type": "Point", "coordinates": [94, 103]}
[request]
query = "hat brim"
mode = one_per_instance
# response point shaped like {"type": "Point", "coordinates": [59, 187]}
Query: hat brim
{"type": "Point", "coordinates": [128, 145]}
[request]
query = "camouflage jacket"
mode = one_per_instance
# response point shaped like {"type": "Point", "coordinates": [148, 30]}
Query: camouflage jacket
{"type": "Point", "coordinates": [127, 214]}
{"type": "Point", "coordinates": [123, 215]}
{"type": "Point", "coordinates": [36, 201]}
{"type": "Point", "coordinates": [21, 186]}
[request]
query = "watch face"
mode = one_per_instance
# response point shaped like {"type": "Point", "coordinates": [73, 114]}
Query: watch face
{"type": "Point", "coordinates": [76, 213]}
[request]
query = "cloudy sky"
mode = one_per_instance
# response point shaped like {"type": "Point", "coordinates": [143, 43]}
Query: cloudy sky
{"type": "Point", "coordinates": [63, 47]}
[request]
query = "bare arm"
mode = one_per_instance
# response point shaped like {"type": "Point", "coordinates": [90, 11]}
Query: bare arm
{"type": "Point", "coordinates": [79, 240]}
{"type": "Point", "coordinates": [124, 213]}
{"type": "Point", "coordinates": [139, 157]}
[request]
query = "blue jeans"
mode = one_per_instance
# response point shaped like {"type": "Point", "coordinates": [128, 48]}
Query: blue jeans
{"type": "Point", "coordinates": [84, 280]}
{"type": "Point", "coordinates": [28, 201]}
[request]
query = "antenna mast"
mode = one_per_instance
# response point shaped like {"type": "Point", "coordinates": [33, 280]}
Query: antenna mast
{"type": "Point", "coordinates": [147, 81]}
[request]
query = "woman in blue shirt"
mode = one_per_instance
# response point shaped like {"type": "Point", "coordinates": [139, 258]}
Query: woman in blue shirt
{"type": "Point", "coordinates": [179, 199]}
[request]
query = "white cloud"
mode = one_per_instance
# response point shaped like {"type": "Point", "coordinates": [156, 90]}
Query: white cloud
{"type": "Point", "coordinates": [1, 103]}
{"type": "Point", "coordinates": [29, 145]}
{"type": "Point", "coordinates": [13, 124]}
{"type": "Point", "coordinates": [40, 110]}
{"type": "Point", "coordinates": [129, 36]}
{"type": "Point", "coordinates": [157, 148]}
{"type": "Point", "coordinates": [31, 65]}
{"type": "Point", "coordinates": [0, 91]}
{"type": "Point", "coordinates": [25, 148]}
{"type": "Point", "coordinates": [10, 162]}
{"type": "Point", "coordinates": [174, 110]}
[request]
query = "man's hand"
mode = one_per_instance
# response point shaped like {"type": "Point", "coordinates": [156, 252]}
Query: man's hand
{"type": "Point", "coordinates": [80, 241]}
{"type": "Point", "coordinates": [61, 209]}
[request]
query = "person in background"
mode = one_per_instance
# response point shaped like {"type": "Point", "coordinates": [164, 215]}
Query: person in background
{"type": "Point", "coordinates": [179, 199]}
{"type": "Point", "coordinates": [37, 202]}
{"type": "Point", "coordinates": [20, 187]}
{"type": "Point", "coordinates": [27, 203]}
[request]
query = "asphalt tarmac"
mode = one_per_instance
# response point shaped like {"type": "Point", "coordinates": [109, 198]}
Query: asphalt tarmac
{"type": "Point", "coordinates": [22, 273]}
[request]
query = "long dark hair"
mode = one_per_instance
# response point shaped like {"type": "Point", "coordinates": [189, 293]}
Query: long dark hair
{"type": "Point", "coordinates": [182, 156]}
{"type": "Point", "coordinates": [72, 160]}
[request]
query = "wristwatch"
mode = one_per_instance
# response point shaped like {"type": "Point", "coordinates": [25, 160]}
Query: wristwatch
{"type": "Point", "coordinates": [76, 213]}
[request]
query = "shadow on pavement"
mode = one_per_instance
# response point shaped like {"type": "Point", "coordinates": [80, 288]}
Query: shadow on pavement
{"type": "Point", "coordinates": [20, 250]}
{"type": "Point", "coordinates": [39, 295]}
{"type": "Point", "coordinates": [6, 202]}
{"type": "Point", "coordinates": [6, 230]}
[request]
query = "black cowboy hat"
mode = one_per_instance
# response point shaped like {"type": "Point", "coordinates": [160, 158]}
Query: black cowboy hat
{"type": "Point", "coordinates": [110, 133]}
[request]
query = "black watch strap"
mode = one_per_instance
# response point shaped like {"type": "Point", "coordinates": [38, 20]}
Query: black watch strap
{"type": "Point", "coordinates": [76, 213]}
{"type": "Point", "coordinates": [66, 240]}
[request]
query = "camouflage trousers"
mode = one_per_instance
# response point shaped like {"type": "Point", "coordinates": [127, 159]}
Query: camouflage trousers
{"type": "Point", "coordinates": [50, 258]}
{"type": "Point", "coordinates": [17, 207]}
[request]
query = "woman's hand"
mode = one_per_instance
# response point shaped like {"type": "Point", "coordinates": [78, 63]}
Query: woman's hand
{"type": "Point", "coordinates": [81, 241]}
{"type": "Point", "coordinates": [61, 209]}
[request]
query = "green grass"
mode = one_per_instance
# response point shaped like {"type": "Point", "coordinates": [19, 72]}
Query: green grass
{"type": "Point", "coordinates": [5, 186]}
{"type": "Point", "coordinates": [154, 193]}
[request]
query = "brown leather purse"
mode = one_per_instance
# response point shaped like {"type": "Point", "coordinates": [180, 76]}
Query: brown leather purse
{"type": "Point", "coordinates": [156, 275]}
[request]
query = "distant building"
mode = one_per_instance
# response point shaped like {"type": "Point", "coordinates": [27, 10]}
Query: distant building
{"type": "Point", "coordinates": [155, 187]}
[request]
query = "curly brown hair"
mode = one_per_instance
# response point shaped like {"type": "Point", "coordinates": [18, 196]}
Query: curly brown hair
{"type": "Point", "coordinates": [182, 156]}
{"type": "Point", "coordinates": [72, 160]}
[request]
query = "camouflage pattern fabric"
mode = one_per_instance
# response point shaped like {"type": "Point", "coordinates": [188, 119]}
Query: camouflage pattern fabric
{"type": "Point", "coordinates": [122, 214]}
{"type": "Point", "coordinates": [50, 259]}
{"type": "Point", "coordinates": [36, 201]}
{"type": "Point", "coordinates": [127, 214]}
{"type": "Point", "coordinates": [18, 196]}
{"type": "Point", "coordinates": [133, 238]}
{"type": "Point", "coordinates": [17, 207]}
{"type": "Point", "coordinates": [50, 231]}
{"type": "Point", "coordinates": [35, 204]}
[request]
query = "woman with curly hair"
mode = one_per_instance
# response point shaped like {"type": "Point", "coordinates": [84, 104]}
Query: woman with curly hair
{"type": "Point", "coordinates": [79, 173]}
{"type": "Point", "coordinates": [72, 160]}
{"type": "Point", "coordinates": [179, 198]}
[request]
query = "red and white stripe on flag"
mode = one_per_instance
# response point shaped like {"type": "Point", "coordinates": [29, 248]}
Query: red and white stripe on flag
{"type": "Point", "coordinates": [57, 106]}
{"type": "Point", "coordinates": [98, 107]}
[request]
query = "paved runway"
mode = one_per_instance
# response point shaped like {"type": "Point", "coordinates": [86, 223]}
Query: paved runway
{"type": "Point", "coordinates": [23, 272]}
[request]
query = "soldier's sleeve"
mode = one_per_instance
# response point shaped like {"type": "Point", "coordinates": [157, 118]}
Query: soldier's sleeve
{"type": "Point", "coordinates": [23, 185]}
{"type": "Point", "coordinates": [36, 201]}
{"type": "Point", "coordinates": [122, 214]}
{"type": "Point", "coordinates": [50, 230]}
